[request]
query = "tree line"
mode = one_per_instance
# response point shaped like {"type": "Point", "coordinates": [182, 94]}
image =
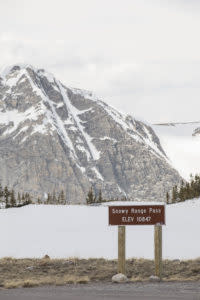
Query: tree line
{"type": "Point", "coordinates": [93, 198]}
{"type": "Point", "coordinates": [53, 198]}
{"type": "Point", "coordinates": [8, 198]}
{"type": "Point", "coordinates": [187, 190]}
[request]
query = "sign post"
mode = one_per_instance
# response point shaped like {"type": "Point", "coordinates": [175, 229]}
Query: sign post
{"type": "Point", "coordinates": [121, 249]}
{"type": "Point", "coordinates": [138, 215]}
{"type": "Point", "coordinates": [158, 250]}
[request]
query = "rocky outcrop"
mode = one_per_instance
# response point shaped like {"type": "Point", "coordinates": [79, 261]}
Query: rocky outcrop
{"type": "Point", "coordinates": [53, 137]}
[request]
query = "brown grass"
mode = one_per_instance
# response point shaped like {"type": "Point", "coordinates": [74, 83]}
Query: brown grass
{"type": "Point", "coordinates": [46, 281]}
{"type": "Point", "coordinates": [138, 279]}
{"type": "Point", "coordinates": [36, 272]}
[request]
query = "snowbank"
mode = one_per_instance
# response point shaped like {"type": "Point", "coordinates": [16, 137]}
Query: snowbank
{"type": "Point", "coordinates": [68, 231]}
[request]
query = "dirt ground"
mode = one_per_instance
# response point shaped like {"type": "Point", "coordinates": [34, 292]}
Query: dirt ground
{"type": "Point", "coordinates": [46, 271]}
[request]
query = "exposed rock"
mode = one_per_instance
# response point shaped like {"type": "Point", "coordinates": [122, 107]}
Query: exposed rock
{"type": "Point", "coordinates": [46, 256]}
{"type": "Point", "coordinates": [68, 262]}
{"type": "Point", "coordinates": [176, 261]}
{"type": "Point", "coordinates": [153, 278]}
{"type": "Point", "coordinates": [30, 268]}
{"type": "Point", "coordinates": [53, 137]}
{"type": "Point", "coordinates": [119, 278]}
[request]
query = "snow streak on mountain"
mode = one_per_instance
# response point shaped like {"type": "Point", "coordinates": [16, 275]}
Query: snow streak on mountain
{"type": "Point", "coordinates": [54, 137]}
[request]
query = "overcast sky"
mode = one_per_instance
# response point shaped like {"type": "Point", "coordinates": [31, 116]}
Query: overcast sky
{"type": "Point", "coordinates": [141, 56]}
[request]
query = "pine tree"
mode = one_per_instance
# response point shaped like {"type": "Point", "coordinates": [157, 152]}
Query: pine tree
{"type": "Point", "coordinates": [1, 193]}
{"type": "Point", "coordinates": [181, 193]}
{"type": "Point", "coordinates": [6, 196]}
{"type": "Point", "coordinates": [62, 197]}
{"type": "Point", "coordinates": [167, 198]}
{"type": "Point", "coordinates": [90, 197]}
{"type": "Point", "coordinates": [59, 199]}
{"type": "Point", "coordinates": [23, 198]}
{"type": "Point", "coordinates": [174, 194]}
{"type": "Point", "coordinates": [54, 199]}
{"type": "Point", "coordinates": [100, 199]}
{"type": "Point", "coordinates": [49, 199]}
{"type": "Point", "coordinates": [187, 190]}
{"type": "Point", "coordinates": [12, 199]}
{"type": "Point", "coordinates": [29, 201]}
{"type": "Point", "coordinates": [19, 199]}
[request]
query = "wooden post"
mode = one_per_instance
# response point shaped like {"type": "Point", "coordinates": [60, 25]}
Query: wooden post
{"type": "Point", "coordinates": [121, 249]}
{"type": "Point", "coordinates": [158, 250]}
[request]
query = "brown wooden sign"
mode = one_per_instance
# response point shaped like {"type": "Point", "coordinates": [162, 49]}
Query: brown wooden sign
{"type": "Point", "coordinates": [137, 215]}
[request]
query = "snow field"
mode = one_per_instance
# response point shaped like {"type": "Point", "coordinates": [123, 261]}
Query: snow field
{"type": "Point", "coordinates": [82, 231]}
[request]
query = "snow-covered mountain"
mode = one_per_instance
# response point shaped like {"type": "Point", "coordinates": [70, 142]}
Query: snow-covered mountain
{"type": "Point", "coordinates": [181, 142]}
{"type": "Point", "coordinates": [53, 137]}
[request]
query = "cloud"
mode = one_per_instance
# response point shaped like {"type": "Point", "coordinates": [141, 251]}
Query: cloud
{"type": "Point", "coordinates": [142, 57]}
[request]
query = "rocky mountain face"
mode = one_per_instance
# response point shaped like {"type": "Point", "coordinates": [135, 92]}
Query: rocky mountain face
{"type": "Point", "coordinates": [53, 137]}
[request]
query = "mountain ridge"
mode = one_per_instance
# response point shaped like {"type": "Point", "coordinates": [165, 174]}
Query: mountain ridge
{"type": "Point", "coordinates": [95, 142]}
